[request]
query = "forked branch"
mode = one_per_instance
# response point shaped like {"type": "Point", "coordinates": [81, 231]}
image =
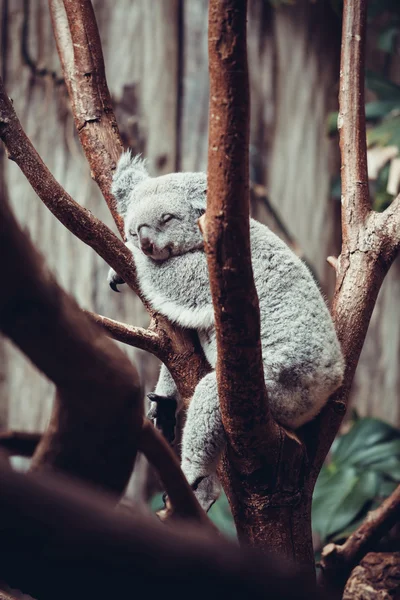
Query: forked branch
{"type": "Point", "coordinates": [370, 240]}
{"type": "Point", "coordinates": [145, 339]}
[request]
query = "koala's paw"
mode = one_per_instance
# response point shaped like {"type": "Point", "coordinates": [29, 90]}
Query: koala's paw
{"type": "Point", "coordinates": [114, 280]}
{"type": "Point", "coordinates": [162, 413]}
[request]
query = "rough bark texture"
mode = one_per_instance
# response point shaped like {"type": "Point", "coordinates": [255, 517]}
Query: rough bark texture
{"type": "Point", "coordinates": [81, 55]}
{"type": "Point", "coordinates": [262, 489]}
{"type": "Point", "coordinates": [376, 578]}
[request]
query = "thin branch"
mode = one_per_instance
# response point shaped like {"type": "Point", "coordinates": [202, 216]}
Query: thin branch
{"type": "Point", "coordinates": [226, 226]}
{"type": "Point", "coordinates": [77, 219]}
{"type": "Point", "coordinates": [133, 336]}
{"type": "Point", "coordinates": [79, 47]}
{"type": "Point", "coordinates": [351, 121]}
{"type": "Point", "coordinates": [338, 561]}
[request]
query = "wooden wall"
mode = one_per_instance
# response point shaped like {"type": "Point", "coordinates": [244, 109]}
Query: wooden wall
{"type": "Point", "coordinates": [156, 61]}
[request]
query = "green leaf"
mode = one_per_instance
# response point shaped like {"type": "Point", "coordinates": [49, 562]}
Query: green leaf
{"type": "Point", "coordinates": [377, 453]}
{"type": "Point", "coordinates": [156, 502]}
{"type": "Point", "coordinates": [328, 496]}
{"type": "Point", "coordinates": [383, 88]}
{"type": "Point", "coordinates": [220, 514]}
{"type": "Point", "coordinates": [390, 466]}
{"type": "Point", "coordinates": [364, 434]}
{"type": "Point", "coordinates": [346, 494]}
{"type": "Point", "coordinates": [331, 123]}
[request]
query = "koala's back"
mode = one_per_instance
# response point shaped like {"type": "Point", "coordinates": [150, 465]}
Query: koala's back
{"type": "Point", "coordinates": [302, 358]}
{"type": "Point", "coordinates": [303, 362]}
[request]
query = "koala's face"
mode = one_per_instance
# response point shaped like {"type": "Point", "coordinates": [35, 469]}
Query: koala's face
{"type": "Point", "coordinates": [163, 214]}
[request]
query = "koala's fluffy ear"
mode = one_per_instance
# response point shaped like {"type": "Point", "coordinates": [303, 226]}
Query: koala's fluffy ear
{"type": "Point", "coordinates": [130, 171]}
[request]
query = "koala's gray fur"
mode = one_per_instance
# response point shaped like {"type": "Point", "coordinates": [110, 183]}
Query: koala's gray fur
{"type": "Point", "coordinates": [303, 362]}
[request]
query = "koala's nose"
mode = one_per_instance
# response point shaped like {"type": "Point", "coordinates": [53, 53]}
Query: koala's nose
{"type": "Point", "coordinates": [146, 243]}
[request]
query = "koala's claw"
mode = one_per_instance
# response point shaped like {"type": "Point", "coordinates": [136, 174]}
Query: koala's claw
{"type": "Point", "coordinates": [162, 413]}
{"type": "Point", "coordinates": [115, 282]}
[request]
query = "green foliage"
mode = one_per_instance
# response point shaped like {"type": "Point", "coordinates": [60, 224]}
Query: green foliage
{"type": "Point", "coordinates": [220, 514]}
{"type": "Point", "coordinates": [364, 467]}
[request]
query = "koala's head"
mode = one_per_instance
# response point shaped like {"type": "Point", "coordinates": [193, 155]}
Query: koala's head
{"type": "Point", "coordinates": [160, 213]}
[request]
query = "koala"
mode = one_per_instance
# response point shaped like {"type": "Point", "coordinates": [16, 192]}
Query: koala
{"type": "Point", "coordinates": [302, 359]}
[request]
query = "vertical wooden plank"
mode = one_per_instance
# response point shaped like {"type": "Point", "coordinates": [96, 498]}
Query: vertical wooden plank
{"type": "Point", "coordinates": [299, 170]}
{"type": "Point", "coordinates": [194, 124]}
{"type": "Point", "coordinates": [142, 51]}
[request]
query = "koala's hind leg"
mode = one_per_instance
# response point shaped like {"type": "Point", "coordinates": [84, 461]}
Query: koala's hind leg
{"type": "Point", "coordinates": [203, 441]}
{"type": "Point", "coordinates": [164, 403]}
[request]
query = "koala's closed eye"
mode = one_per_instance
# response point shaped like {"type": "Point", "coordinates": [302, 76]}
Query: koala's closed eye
{"type": "Point", "coordinates": [167, 217]}
{"type": "Point", "coordinates": [132, 233]}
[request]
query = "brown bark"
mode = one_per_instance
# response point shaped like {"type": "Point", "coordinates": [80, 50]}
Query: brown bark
{"type": "Point", "coordinates": [77, 219]}
{"type": "Point", "coordinates": [79, 47]}
{"type": "Point", "coordinates": [338, 561]}
{"type": "Point", "coordinates": [145, 339]}
{"type": "Point", "coordinates": [371, 240]}
{"type": "Point", "coordinates": [264, 464]}
{"type": "Point", "coordinates": [376, 578]}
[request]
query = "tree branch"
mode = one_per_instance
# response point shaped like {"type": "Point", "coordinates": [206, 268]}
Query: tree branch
{"type": "Point", "coordinates": [164, 460]}
{"type": "Point", "coordinates": [77, 219]}
{"type": "Point", "coordinates": [227, 237]}
{"type": "Point", "coordinates": [145, 339]}
{"type": "Point", "coordinates": [368, 245]}
{"type": "Point", "coordinates": [79, 47]}
{"type": "Point", "coordinates": [351, 121]}
{"type": "Point", "coordinates": [338, 561]}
